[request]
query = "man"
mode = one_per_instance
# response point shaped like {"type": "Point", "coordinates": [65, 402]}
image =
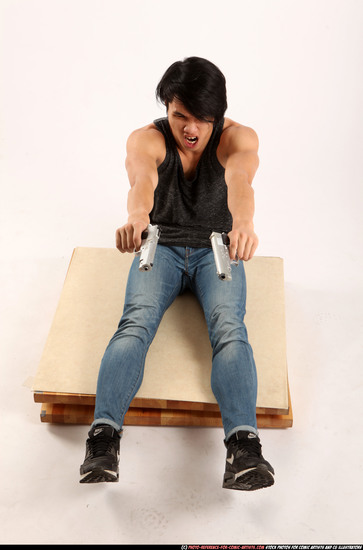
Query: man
{"type": "Point", "coordinates": [190, 174]}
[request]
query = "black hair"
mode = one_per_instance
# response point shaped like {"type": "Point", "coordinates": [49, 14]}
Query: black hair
{"type": "Point", "coordinates": [198, 84]}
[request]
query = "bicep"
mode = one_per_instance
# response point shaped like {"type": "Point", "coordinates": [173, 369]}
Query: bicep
{"type": "Point", "coordinates": [242, 164]}
{"type": "Point", "coordinates": [241, 153]}
{"type": "Point", "coordinates": [141, 159]}
{"type": "Point", "coordinates": [141, 167]}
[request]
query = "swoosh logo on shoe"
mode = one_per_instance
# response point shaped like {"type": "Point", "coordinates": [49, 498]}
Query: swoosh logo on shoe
{"type": "Point", "coordinates": [230, 460]}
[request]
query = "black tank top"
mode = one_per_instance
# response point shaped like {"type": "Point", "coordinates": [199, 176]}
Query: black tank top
{"type": "Point", "coordinates": [187, 211]}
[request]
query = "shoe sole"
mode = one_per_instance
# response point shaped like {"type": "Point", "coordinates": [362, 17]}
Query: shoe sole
{"type": "Point", "coordinates": [98, 475]}
{"type": "Point", "coordinates": [256, 478]}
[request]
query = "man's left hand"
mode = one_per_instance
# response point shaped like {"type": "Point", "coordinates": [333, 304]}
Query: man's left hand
{"type": "Point", "coordinates": [243, 242]}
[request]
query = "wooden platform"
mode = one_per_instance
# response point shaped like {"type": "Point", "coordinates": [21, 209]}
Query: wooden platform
{"type": "Point", "coordinates": [79, 409]}
{"type": "Point", "coordinates": [137, 416]}
{"type": "Point", "coordinates": [176, 387]}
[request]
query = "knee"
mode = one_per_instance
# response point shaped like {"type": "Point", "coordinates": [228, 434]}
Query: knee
{"type": "Point", "coordinates": [223, 318]}
{"type": "Point", "coordinates": [227, 326]}
{"type": "Point", "coordinates": [139, 321]}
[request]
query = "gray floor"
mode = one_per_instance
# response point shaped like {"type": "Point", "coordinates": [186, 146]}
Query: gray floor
{"type": "Point", "coordinates": [170, 478]}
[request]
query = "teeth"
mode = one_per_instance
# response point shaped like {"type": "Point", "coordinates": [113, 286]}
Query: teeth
{"type": "Point", "coordinates": [191, 139]}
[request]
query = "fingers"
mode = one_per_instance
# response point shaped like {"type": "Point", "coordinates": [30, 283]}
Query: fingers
{"type": "Point", "coordinates": [137, 235]}
{"type": "Point", "coordinates": [131, 235]}
{"type": "Point", "coordinates": [121, 240]}
{"type": "Point", "coordinates": [124, 239]}
{"type": "Point", "coordinates": [233, 241]}
{"type": "Point", "coordinates": [128, 237]}
{"type": "Point", "coordinates": [243, 244]}
{"type": "Point", "coordinates": [118, 240]}
{"type": "Point", "coordinates": [253, 248]}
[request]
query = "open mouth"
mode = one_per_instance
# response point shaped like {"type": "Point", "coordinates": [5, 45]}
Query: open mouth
{"type": "Point", "coordinates": [190, 140]}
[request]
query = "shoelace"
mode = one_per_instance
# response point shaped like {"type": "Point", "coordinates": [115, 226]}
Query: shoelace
{"type": "Point", "coordinates": [100, 444]}
{"type": "Point", "coordinates": [250, 447]}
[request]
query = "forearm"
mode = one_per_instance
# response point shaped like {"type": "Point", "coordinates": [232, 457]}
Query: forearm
{"type": "Point", "coordinates": [142, 160]}
{"type": "Point", "coordinates": [140, 200]}
{"type": "Point", "coordinates": [241, 163]}
{"type": "Point", "coordinates": [241, 203]}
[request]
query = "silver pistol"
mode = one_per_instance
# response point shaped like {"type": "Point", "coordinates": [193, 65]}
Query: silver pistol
{"type": "Point", "coordinates": [147, 250]}
{"type": "Point", "coordinates": [220, 242]}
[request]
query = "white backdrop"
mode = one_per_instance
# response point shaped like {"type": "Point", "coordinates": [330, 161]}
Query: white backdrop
{"type": "Point", "coordinates": [77, 77]}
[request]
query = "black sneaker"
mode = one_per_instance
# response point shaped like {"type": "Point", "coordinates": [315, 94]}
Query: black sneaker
{"type": "Point", "coordinates": [102, 455]}
{"type": "Point", "coordinates": [246, 469]}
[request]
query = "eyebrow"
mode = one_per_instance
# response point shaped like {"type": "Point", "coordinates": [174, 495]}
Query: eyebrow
{"type": "Point", "coordinates": [202, 119]}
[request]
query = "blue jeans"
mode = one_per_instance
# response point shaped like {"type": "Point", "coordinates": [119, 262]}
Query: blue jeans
{"type": "Point", "coordinates": [148, 295]}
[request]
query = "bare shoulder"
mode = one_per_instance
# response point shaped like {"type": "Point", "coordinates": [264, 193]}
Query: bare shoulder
{"type": "Point", "coordinates": [237, 138]}
{"type": "Point", "coordinates": [147, 141]}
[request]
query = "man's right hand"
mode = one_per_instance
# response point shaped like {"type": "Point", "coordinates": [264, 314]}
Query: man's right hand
{"type": "Point", "coordinates": [128, 237]}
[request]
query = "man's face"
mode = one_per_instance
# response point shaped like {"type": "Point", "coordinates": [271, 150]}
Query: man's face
{"type": "Point", "coordinates": [190, 133]}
